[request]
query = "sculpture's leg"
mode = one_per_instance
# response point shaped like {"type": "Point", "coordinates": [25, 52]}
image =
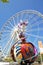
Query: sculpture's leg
{"type": "Point", "coordinates": [29, 63]}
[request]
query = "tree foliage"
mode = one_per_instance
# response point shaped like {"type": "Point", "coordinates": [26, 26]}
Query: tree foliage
{"type": "Point", "coordinates": [5, 1]}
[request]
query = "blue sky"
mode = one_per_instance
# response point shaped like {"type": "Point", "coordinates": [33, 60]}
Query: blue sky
{"type": "Point", "coordinates": [9, 9]}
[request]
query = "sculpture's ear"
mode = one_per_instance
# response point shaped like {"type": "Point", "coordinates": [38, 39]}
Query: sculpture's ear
{"type": "Point", "coordinates": [5, 1]}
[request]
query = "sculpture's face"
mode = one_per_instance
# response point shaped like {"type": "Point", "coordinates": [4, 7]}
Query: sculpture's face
{"type": "Point", "coordinates": [23, 52]}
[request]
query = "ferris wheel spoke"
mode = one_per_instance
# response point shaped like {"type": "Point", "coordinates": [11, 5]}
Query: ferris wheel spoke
{"type": "Point", "coordinates": [10, 41]}
{"type": "Point", "coordinates": [36, 36]}
{"type": "Point", "coordinates": [8, 27]}
{"type": "Point", "coordinates": [36, 29]}
{"type": "Point", "coordinates": [12, 37]}
{"type": "Point", "coordinates": [12, 44]}
{"type": "Point", "coordinates": [21, 16]}
{"type": "Point", "coordinates": [5, 39]}
{"type": "Point", "coordinates": [10, 23]}
{"type": "Point", "coordinates": [29, 24]}
{"type": "Point", "coordinates": [35, 40]}
{"type": "Point", "coordinates": [17, 19]}
{"type": "Point", "coordinates": [34, 18]}
{"type": "Point", "coordinates": [7, 44]}
{"type": "Point", "coordinates": [5, 35]}
{"type": "Point", "coordinates": [14, 21]}
{"type": "Point", "coordinates": [37, 23]}
{"type": "Point", "coordinates": [31, 16]}
{"type": "Point", "coordinates": [4, 31]}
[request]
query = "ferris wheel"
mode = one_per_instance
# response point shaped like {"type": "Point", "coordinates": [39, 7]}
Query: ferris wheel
{"type": "Point", "coordinates": [33, 30]}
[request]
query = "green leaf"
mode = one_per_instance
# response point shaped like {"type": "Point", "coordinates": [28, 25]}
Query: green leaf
{"type": "Point", "coordinates": [5, 1]}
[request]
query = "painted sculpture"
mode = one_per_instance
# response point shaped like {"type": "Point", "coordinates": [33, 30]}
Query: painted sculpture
{"type": "Point", "coordinates": [24, 52]}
